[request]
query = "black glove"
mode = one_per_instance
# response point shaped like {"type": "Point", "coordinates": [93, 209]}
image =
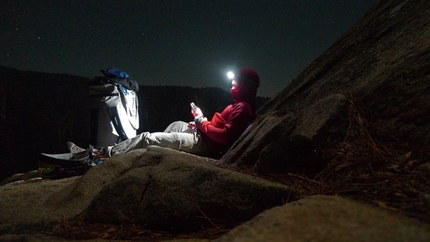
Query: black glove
{"type": "Point", "coordinates": [198, 121]}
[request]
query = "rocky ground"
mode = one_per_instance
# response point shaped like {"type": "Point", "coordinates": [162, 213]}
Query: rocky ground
{"type": "Point", "coordinates": [357, 204]}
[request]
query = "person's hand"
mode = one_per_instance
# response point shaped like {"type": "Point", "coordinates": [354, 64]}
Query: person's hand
{"type": "Point", "coordinates": [101, 154]}
{"type": "Point", "coordinates": [198, 121]}
{"type": "Point", "coordinates": [192, 125]}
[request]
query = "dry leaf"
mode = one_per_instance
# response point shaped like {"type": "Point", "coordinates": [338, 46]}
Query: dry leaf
{"type": "Point", "coordinates": [381, 204]}
{"type": "Point", "coordinates": [384, 206]}
{"type": "Point", "coordinates": [411, 162]}
{"type": "Point", "coordinates": [408, 155]}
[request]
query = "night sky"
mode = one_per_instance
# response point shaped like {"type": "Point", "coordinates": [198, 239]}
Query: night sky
{"type": "Point", "coordinates": [174, 42]}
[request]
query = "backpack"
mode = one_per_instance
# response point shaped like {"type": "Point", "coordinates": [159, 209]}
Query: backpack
{"type": "Point", "coordinates": [114, 115]}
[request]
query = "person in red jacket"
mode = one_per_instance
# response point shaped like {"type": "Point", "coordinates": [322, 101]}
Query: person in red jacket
{"type": "Point", "coordinates": [202, 136]}
{"type": "Point", "coordinates": [224, 128]}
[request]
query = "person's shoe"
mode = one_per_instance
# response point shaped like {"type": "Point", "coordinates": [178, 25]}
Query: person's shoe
{"type": "Point", "coordinates": [73, 148]}
{"type": "Point", "coordinates": [81, 156]}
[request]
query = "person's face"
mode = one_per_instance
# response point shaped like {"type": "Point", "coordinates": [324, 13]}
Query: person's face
{"type": "Point", "coordinates": [234, 84]}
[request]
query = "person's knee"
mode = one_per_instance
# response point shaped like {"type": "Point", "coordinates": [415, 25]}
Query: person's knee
{"type": "Point", "coordinates": [176, 126]}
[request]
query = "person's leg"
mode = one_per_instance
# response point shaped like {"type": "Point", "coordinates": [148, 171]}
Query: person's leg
{"type": "Point", "coordinates": [125, 146]}
{"type": "Point", "coordinates": [188, 142]}
{"type": "Point", "coordinates": [178, 126]}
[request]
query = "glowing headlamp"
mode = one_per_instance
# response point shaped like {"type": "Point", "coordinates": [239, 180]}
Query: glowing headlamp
{"type": "Point", "coordinates": [230, 75]}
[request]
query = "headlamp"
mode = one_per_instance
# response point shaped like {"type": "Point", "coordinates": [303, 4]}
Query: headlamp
{"type": "Point", "coordinates": [230, 75]}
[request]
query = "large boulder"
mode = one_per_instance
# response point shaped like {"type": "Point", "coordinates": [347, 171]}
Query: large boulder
{"type": "Point", "coordinates": [328, 218]}
{"type": "Point", "coordinates": [36, 201]}
{"type": "Point", "coordinates": [287, 143]}
{"type": "Point", "coordinates": [378, 73]}
{"type": "Point", "coordinates": [170, 190]}
{"type": "Point", "coordinates": [162, 188]}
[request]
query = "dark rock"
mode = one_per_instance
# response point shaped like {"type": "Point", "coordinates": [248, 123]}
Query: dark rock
{"type": "Point", "coordinates": [323, 121]}
{"type": "Point", "coordinates": [180, 192]}
{"type": "Point", "coordinates": [262, 133]}
{"type": "Point", "coordinates": [295, 153]}
{"type": "Point", "coordinates": [328, 218]}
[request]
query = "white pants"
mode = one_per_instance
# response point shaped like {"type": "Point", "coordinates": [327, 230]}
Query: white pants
{"type": "Point", "coordinates": [177, 136]}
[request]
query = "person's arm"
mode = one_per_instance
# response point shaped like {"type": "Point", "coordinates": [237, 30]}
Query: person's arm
{"type": "Point", "coordinates": [227, 131]}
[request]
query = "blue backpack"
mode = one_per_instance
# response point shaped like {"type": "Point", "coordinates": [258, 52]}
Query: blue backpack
{"type": "Point", "coordinates": [117, 76]}
{"type": "Point", "coordinates": [115, 72]}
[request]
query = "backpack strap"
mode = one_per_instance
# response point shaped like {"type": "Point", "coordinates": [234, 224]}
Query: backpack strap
{"type": "Point", "coordinates": [114, 116]}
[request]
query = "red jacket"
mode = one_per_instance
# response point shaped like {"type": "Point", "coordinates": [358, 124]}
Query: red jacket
{"type": "Point", "coordinates": [226, 127]}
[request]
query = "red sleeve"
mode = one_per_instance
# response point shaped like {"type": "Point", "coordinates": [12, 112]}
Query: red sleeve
{"type": "Point", "coordinates": [226, 127]}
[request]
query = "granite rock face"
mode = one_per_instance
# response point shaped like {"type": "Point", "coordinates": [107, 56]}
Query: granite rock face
{"type": "Point", "coordinates": [380, 69]}
{"type": "Point", "coordinates": [328, 218]}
